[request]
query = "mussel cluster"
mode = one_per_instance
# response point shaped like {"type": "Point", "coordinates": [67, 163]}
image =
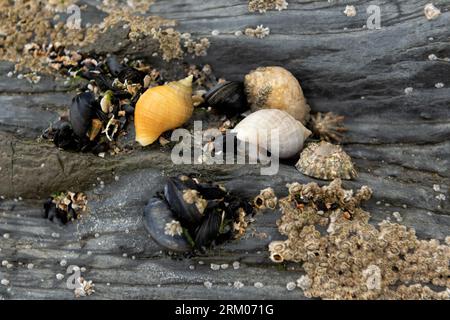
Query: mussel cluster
{"type": "Point", "coordinates": [190, 215]}
{"type": "Point", "coordinates": [100, 113]}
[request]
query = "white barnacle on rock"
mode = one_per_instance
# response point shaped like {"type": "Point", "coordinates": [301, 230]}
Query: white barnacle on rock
{"type": "Point", "coordinates": [291, 286]}
{"type": "Point", "coordinates": [409, 90]}
{"type": "Point", "coordinates": [373, 277]}
{"type": "Point", "coordinates": [83, 288]}
{"type": "Point", "coordinates": [173, 228]}
{"type": "Point", "coordinates": [431, 12]}
{"type": "Point", "coordinates": [304, 282]}
{"type": "Point", "coordinates": [281, 5]}
{"type": "Point", "coordinates": [350, 11]}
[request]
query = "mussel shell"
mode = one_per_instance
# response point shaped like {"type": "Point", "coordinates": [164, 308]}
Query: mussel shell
{"type": "Point", "coordinates": [131, 75]}
{"type": "Point", "coordinates": [123, 72]}
{"type": "Point", "coordinates": [228, 97]}
{"type": "Point", "coordinates": [208, 231]}
{"type": "Point", "coordinates": [102, 81]}
{"type": "Point", "coordinates": [63, 136]}
{"type": "Point", "coordinates": [114, 66]}
{"type": "Point", "coordinates": [210, 191]}
{"type": "Point", "coordinates": [82, 111]}
{"type": "Point", "coordinates": [156, 215]}
{"type": "Point", "coordinates": [186, 213]}
{"type": "Point", "coordinates": [129, 109]}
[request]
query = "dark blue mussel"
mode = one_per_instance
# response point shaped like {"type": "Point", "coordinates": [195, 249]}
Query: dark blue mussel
{"type": "Point", "coordinates": [156, 215]}
{"type": "Point", "coordinates": [228, 98]}
{"type": "Point", "coordinates": [83, 109]}
{"type": "Point", "coordinates": [188, 214]}
{"type": "Point", "coordinates": [62, 135]}
{"type": "Point", "coordinates": [213, 225]}
{"type": "Point", "coordinates": [123, 72]}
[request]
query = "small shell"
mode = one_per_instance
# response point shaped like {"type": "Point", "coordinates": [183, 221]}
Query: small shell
{"type": "Point", "coordinates": [257, 128]}
{"type": "Point", "coordinates": [276, 88]}
{"type": "Point", "coordinates": [431, 12]}
{"type": "Point", "coordinates": [326, 161]}
{"type": "Point", "coordinates": [163, 108]}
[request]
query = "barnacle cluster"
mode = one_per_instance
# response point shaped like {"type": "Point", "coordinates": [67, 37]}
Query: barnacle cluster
{"type": "Point", "coordinates": [65, 206]}
{"type": "Point", "coordinates": [328, 126]}
{"type": "Point", "coordinates": [26, 22]}
{"type": "Point", "coordinates": [83, 288]}
{"type": "Point", "coordinates": [172, 42]}
{"type": "Point", "coordinates": [197, 48]}
{"type": "Point", "coordinates": [169, 43]}
{"type": "Point", "coordinates": [350, 11]}
{"type": "Point", "coordinates": [259, 32]}
{"type": "Point", "coordinates": [264, 5]}
{"type": "Point", "coordinates": [345, 257]}
{"type": "Point", "coordinates": [266, 199]}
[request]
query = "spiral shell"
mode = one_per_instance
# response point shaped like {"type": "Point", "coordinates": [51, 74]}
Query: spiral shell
{"type": "Point", "coordinates": [276, 88]}
{"type": "Point", "coordinates": [163, 108]}
{"type": "Point", "coordinates": [256, 129]}
{"type": "Point", "coordinates": [326, 161]}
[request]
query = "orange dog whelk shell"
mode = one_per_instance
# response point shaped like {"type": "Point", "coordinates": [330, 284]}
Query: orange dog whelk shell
{"type": "Point", "coordinates": [163, 108]}
{"type": "Point", "coordinates": [276, 88]}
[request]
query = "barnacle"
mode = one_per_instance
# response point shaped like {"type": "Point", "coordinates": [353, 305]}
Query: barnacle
{"type": "Point", "coordinates": [431, 12]}
{"type": "Point", "coordinates": [241, 225]}
{"type": "Point", "coordinates": [259, 32]}
{"type": "Point", "coordinates": [263, 5]}
{"type": "Point", "coordinates": [328, 126]}
{"type": "Point", "coordinates": [350, 11]}
{"type": "Point", "coordinates": [173, 228]}
{"type": "Point", "coordinates": [354, 259]}
{"type": "Point", "coordinates": [83, 288]}
{"type": "Point", "coordinates": [326, 161]}
{"type": "Point", "coordinates": [266, 199]}
{"type": "Point", "coordinates": [193, 196]}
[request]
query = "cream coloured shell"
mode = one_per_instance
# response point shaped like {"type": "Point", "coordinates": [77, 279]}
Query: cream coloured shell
{"type": "Point", "coordinates": [326, 161]}
{"type": "Point", "coordinates": [256, 129]}
{"type": "Point", "coordinates": [163, 108]}
{"type": "Point", "coordinates": [276, 88]}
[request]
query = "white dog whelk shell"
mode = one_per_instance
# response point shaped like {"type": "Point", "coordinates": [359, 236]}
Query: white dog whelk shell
{"type": "Point", "coordinates": [259, 129]}
{"type": "Point", "coordinates": [276, 88]}
{"type": "Point", "coordinates": [326, 161]}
